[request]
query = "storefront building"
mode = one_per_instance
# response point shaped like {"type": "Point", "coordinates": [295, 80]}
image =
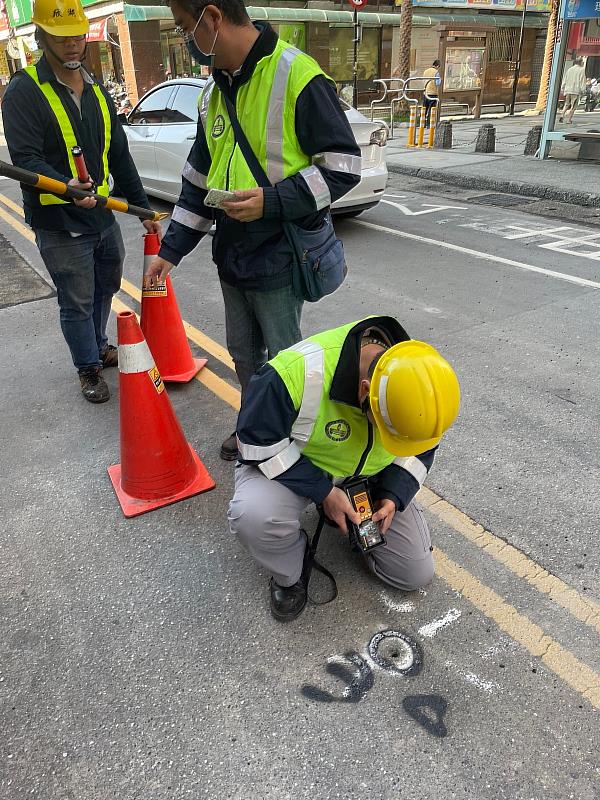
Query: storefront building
{"type": "Point", "coordinates": [137, 44]}
{"type": "Point", "coordinates": [572, 118]}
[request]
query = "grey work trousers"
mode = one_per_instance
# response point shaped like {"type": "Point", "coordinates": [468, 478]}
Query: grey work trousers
{"type": "Point", "coordinates": [265, 515]}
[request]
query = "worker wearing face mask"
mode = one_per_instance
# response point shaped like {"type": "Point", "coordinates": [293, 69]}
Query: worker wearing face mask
{"type": "Point", "coordinates": [49, 110]}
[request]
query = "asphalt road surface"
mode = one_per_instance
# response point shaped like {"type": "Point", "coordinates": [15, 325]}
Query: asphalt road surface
{"type": "Point", "coordinates": [138, 658]}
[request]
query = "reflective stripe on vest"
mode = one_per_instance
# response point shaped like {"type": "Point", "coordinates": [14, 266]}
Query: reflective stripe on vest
{"type": "Point", "coordinates": [274, 132]}
{"type": "Point", "coordinates": [314, 373]}
{"type": "Point", "coordinates": [68, 133]}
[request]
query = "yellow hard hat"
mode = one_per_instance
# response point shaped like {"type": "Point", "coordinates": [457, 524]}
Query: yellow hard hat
{"type": "Point", "coordinates": [414, 397]}
{"type": "Point", "coordinates": [60, 17]}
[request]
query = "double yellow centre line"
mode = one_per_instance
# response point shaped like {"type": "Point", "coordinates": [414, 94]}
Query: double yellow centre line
{"type": "Point", "coordinates": [576, 674]}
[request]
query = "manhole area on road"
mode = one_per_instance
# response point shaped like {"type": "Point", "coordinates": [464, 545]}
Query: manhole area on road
{"type": "Point", "coordinates": [20, 282]}
{"type": "Point", "coordinates": [504, 200]}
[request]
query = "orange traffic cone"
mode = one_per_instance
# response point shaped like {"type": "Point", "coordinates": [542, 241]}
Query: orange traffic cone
{"type": "Point", "coordinates": [162, 325]}
{"type": "Point", "coordinates": [158, 466]}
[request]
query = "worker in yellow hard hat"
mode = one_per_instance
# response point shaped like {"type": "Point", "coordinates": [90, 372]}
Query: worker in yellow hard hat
{"type": "Point", "coordinates": [49, 109]}
{"type": "Point", "coordinates": [362, 400]}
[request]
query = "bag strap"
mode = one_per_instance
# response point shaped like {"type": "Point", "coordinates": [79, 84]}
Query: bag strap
{"type": "Point", "coordinates": [258, 173]}
{"type": "Point", "coordinates": [312, 563]}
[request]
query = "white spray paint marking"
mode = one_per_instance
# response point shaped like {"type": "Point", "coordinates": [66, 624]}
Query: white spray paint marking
{"type": "Point", "coordinates": [392, 605]}
{"type": "Point", "coordinates": [427, 208]}
{"type": "Point", "coordinates": [473, 679]}
{"type": "Point", "coordinates": [508, 262]}
{"type": "Point", "coordinates": [432, 628]}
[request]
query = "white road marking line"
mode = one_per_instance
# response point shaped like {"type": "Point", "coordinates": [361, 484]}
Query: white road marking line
{"type": "Point", "coordinates": [473, 679]}
{"type": "Point", "coordinates": [508, 262]}
{"type": "Point", "coordinates": [428, 208]}
{"type": "Point", "coordinates": [525, 232]}
{"type": "Point", "coordinates": [432, 628]}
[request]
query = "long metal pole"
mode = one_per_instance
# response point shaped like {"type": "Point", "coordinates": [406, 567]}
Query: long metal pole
{"type": "Point", "coordinates": [355, 70]}
{"type": "Point", "coordinates": [62, 189]}
{"type": "Point", "coordinates": [518, 64]}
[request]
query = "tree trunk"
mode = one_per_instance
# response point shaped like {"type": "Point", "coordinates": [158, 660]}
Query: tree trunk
{"type": "Point", "coordinates": [542, 100]}
{"type": "Point", "coordinates": [406, 12]}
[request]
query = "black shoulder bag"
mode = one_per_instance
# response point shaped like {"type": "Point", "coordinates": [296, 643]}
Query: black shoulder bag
{"type": "Point", "coordinates": [319, 266]}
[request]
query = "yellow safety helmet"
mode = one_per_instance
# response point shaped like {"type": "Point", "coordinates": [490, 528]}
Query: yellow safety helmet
{"type": "Point", "coordinates": [414, 397]}
{"type": "Point", "coordinates": [60, 17]}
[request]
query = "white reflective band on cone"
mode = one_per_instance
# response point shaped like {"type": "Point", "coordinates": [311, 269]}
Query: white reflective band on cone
{"type": "Point", "coordinates": [314, 367]}
{"type": "Point", "coordinates": [135, 357]}
{"type": "Point", "coordinates": [383, 405]}
{"type": "Point", "coordinates": [281, 462]}
{"type": "Point", "coordinates": [413, 465]}
{"type": "Point", "coordinates": [251, 452]}
{"type": "Point", "coordinates": [148, 259]}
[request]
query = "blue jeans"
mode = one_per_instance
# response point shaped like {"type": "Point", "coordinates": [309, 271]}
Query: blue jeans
{"type": "Point", "coordinates": [259, 325]}
{"type": "Point", "coordinates": [86, 271]}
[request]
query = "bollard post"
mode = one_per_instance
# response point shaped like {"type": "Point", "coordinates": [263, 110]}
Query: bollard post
{"type": "Point", "coordinates": [421, 126]}
{"type": "Point", "coordinates": [534, 137]}
{"type": "Point", "coordinates": [412, 120]}
{"type": "Point", "coordinates": [432, 124]}
{"type": "Point", "coordinates": [443, 135]}
{"type": "Point", "coordinates": [486, 139]}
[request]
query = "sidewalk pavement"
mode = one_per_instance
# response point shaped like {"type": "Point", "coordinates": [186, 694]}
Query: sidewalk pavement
{"type": "Point", "coordinates": [561, 178]}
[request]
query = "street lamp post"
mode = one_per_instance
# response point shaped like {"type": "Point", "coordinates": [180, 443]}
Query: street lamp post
{"type": "Point", "coordinates": [518, 63]}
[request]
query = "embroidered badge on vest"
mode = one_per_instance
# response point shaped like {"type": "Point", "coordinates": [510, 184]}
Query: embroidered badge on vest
{"type": "Point", "coordinates": [218, 126]}
{"type": "Point", "coordinates": [338, 430]}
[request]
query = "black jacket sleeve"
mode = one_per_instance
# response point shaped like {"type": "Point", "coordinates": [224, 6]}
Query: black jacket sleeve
{"type": "Point", "coordinates": [401, 483]}
{"type": "Point", "coordinates": [325, 135]}
{"type": "Point", "coordinates": [191, 219]}
{"type": "Point", "coordinates": [264, 437]}
{"type": "Point", "coordinates": [24, 128]}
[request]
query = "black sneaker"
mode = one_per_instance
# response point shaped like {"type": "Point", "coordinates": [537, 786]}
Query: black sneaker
{"type": "Point", "coordinates": [110, 357]}
{"type": "Point", "coordinates": [93, 387]}
{"type": "Point", "coordinates": [229, 448]}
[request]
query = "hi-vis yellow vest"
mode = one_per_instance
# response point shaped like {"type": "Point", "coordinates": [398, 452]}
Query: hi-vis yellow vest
{"type": "Point", "coordinates": [266, 109]}
{"type": "Point", "coordinates": [68, 133]}
{"type": "Point", "coordinates": [334, 436]}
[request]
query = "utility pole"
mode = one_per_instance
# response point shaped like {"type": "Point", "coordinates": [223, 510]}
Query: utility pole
{"type": "Point", "coordinates": [356, 4]}
{"type": "Point", "coordinates": [518, 62]}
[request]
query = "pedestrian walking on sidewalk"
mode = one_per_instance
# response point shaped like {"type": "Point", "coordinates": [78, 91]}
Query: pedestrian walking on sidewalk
{"type": "Point", "coordinates": [573, 87]}
{"type": "Point", "coordinates": [360, 400]}
{"type": "Point", "coordinates": [431, 91]}
{"type": "Point", "coordinates": [47, 110]}
{"type": "Point", "coordinates": [289, 111]}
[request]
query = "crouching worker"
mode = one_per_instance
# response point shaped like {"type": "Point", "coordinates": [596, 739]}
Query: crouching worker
{"type": "Point", "coordinates": [360, 400]}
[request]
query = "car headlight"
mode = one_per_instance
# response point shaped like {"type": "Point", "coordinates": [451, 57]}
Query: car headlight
{"type": "Point", "coordinates": [379, 137]}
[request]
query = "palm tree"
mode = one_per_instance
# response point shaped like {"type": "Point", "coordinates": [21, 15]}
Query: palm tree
{"type": "Point", "coordinates": [542, 99]}
{"type": "Point", "coordinates": [406, 13]}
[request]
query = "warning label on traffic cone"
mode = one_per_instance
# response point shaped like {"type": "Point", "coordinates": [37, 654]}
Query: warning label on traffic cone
{"type": "Point", "coordinates": [158, 466]}
{"type": "Point", "coordinates": [163, 327]}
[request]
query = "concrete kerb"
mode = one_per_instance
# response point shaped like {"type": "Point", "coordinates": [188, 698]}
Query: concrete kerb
{"type": "Point", "coordinates": [497, 185]}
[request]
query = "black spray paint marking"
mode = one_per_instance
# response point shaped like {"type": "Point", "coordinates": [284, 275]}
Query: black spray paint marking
{"type": "Point", "coordinates": [358, 681]}
{"type": "Point", "coordinates": [428, 710]}
{"type": "Point", "coordinates": [396, 653]}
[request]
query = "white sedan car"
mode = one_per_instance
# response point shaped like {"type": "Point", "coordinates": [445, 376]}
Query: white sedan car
{"type": "Point", "coordinates": [162, 127]}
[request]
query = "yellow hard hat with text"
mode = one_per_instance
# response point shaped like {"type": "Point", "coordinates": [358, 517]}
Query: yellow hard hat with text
{"type": "Point", "coordinates": [414, 397]}
{"type": "Point", "coordinates": [60, 17]}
